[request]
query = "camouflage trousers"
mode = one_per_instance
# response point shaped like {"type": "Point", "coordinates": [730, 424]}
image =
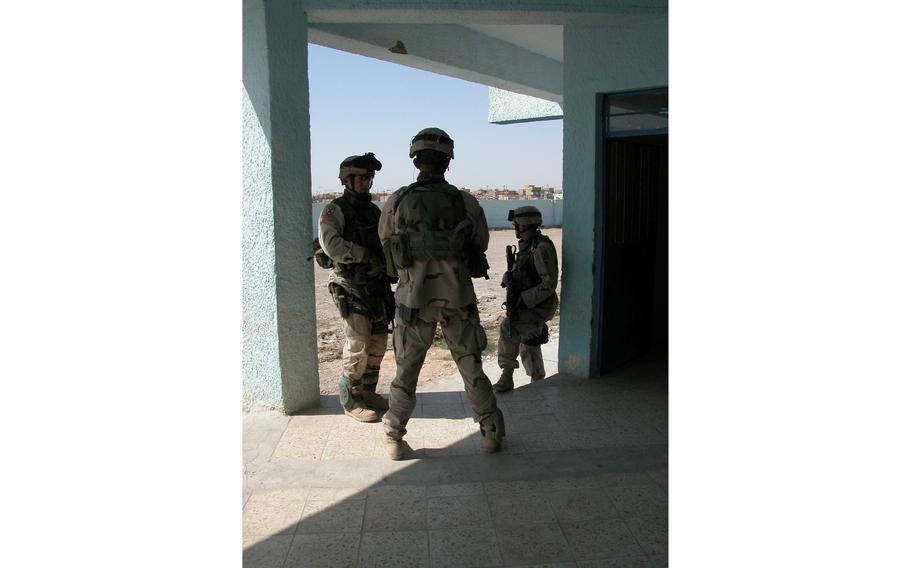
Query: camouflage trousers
{"type": "Point", "coordinates": [513, 342]}
{"type": "Point", "coordinates": [413, 336]}
{"type": "Point", "coordinates": [365, 342]}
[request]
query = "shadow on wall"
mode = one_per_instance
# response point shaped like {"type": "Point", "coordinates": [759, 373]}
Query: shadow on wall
{"type": "Point", "coordinates": [582, 477]}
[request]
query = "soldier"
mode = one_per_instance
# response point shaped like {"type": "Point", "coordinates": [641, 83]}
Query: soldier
{"type": "Point", "coordinates": [532, 289]}
{"type": "Point", "coordinates": [434, 236]}
{"type": "Point", "coordinates": [359, 285]}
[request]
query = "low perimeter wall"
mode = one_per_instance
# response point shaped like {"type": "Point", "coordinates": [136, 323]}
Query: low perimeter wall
{"type": "Point", "coordinates": [497, 212]}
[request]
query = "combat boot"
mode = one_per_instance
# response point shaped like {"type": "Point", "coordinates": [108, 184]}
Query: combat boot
{"type": "Point", "coordinates": [395, 448]}
{"type": "Point", "coordinates": [349, 391]}
{"type": "Point", "coordinates": [505, 384]}
{"type": "Point", "coordinates": [493, 430]}
{"type": "Point", "coordinates": [537, 377]}
{"type": "Point", "coordinates": [373, 400]}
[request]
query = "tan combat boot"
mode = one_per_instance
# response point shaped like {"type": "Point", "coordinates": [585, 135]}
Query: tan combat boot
{"type": "Point", "coordinates": [505, 384]}
{"type": "Point", "coordinates": [395, 448]}
{"type": "Point", "coordinates": [373, 400]}
{"type": "Point", "coordinates": [492, 431]}
{"type": "Point", "coordinates": [352, 403]}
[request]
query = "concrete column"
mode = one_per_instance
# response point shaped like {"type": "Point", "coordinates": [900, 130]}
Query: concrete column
{"type": "Point", "coordinates": [280, 365]}
{"type": "Point", "coordinates": [597, 59]}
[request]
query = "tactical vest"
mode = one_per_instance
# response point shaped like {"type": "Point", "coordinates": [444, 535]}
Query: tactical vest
{"type": "Point", "coordinates": [524, 275]}
{"type": "Point", "coordinates": [361, 222]}
{"type": "Point", "coordinates": [430, 224]}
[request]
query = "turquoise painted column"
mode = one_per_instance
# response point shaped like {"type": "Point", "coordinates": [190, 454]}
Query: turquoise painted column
{"type": "Point", "coordinates": [597, 59]}
{"type": "Point", "coordinates": [280, 365]}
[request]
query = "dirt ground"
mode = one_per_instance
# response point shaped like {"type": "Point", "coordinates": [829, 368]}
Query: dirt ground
{"type": "Point", "coordinates": [438, 363]}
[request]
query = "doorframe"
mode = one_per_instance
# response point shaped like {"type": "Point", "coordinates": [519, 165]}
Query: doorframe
{"type": "Point", "coordinates": [601, 133]}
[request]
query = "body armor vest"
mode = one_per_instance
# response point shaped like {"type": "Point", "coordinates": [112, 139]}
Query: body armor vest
{"type": "Point", "coordinates": [524, 275]}
{"type": "Point", "coordinates": [430, 223]}
{"type": "Point", "coordinates": [361, 220]}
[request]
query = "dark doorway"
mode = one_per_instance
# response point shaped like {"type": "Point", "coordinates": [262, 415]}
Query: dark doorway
{"type": "Point", "coordinates": [634, 211]}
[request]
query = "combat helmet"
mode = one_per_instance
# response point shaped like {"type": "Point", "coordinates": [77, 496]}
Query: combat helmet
{"type": "Point", "coordinates": [359, 166]}
{"type": "Point", "coordinates": [432, 139]}
{"type": "Point", "coordinates": [527, 215]}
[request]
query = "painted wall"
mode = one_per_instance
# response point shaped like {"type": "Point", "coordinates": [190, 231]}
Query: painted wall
{"type": "Point", "coordinates": [598, 59]}
{"type": "Point", "coordinates": [279, 350]}
{"type": "Point", "coordinates": [506, 107]}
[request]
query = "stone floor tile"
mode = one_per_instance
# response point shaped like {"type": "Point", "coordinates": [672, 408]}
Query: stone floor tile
{"type": "Point", "coordinates": [651, 532]}
{"type": "Point", "coordinates": [332, 516]}
{"type": "Point", "coordinates": [519, 509]}
{"type": "Point", "coordinates": [392, 513]}
{"type": "Point", "coordinates": [286, 494]}
{"type": "Point", "coordinates": [397, 492]}
{"type": "Point", "coordinates": [549, 565]}
{"type": "Point", "coordinates": [640, 561]}
{"type": "Point", "coordinates": [524, 486]}
{"type": "Point", "coordinates": [270, 517]}
{"type": "Point", "coordinates": [579, 483]}
{"type": "Point", "coordinates": [448, 446]}
{"type": "Point", "coordinates": [266, 552]}
{"type": "Point", "coordinates": [578, 506]}
{"type": "Point", "coordinates": [460, 511]}
{"type": "Point", "coordinates": [543, 441]}
{"type": "Point", "coordinates": [323, 550]}
{"type": "Point", "coordinates": [533, 423]}
{"type": "Point", "coordinates": [532, 544]}
{"type": "Point", "coordinates": [394, 549]}
{"type": "Point", "coordinates": [464, 547]}
{"type": "Point", "coordinates": [455, 489]}
{"type": "Point", "coordinates": [453, 411]}
{"type": "Point", "coordinates": [300, 446]}
{"type": "Point", "coordinates": [349, 448]}
{"type": "Point", "coordinates": [640, 500]}
{"type": "Point", "coordinates": [337, 493]}
{"type": "Point", "coordinates": [601, 539]}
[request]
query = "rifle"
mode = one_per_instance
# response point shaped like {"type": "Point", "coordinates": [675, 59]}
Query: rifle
{"type": "Point", "coordinates": [512, 294]}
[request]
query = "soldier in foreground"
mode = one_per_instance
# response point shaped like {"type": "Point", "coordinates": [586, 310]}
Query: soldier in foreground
{"type": "Point", "coordinates": [530, 298]}
{"type": "Point", "coordinates": [434, 236]}
{"type": "Point", "coordinates": [358, 284]}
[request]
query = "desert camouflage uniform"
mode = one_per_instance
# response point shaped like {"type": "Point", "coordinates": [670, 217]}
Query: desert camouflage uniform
{"type": "Point", "coordinates": [436, 291]}
{"type": "Point", "coordinates": [359, 280]}
{"type": "Point", "coordinates": [536, 273]}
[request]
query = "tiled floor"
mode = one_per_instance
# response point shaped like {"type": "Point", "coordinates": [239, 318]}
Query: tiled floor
{"type": "Point", "coordinates": [581, 481]}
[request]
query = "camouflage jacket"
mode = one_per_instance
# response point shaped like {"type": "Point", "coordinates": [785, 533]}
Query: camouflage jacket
{"type": "Point", "coordinates": [536, 272]}
{"type": "Point", "coordinates": [436, 283]}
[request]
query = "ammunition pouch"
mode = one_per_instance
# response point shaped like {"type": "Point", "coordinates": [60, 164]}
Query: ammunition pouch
{"type": "Point", "coordinates": [398, 251]}
{"type": "Point", "coordinates": [341, 299]}
{"type": "Point", "coordinates": [540, 339]}
{"type": "Point", "coordinates": [477, 264]}
{"type": "Point", "coordinates": [322, 259]}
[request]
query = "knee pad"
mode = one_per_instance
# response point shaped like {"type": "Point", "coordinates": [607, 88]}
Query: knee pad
{"type": "Point", "coordinates": [493, 426]}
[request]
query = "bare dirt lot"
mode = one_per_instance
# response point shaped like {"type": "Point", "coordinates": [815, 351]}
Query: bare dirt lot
{"type": "Point", "coordinates": [438, 362]}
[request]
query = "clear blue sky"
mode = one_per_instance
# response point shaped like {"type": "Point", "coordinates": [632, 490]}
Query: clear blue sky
{"type": "Point", "coordinates": [359, 104]}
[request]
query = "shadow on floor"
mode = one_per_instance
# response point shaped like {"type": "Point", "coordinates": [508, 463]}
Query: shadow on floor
{"type": "Point", "coordinates": [581, 481]}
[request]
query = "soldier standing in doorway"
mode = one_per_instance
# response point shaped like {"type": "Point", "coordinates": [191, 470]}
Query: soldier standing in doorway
{"type": "Point", "coordinates": [530, 298]}
{"type": "Point", "coordinates": [359, 285]}
{"type": "Point", "coordinates": [435, 237]}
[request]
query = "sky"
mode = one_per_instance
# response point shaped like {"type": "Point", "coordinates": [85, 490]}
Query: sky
{"type": "Point", "coordinates": [359, 104]}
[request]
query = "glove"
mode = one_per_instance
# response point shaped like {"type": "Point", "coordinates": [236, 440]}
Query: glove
{"type": "Point", "coordinates": [377, 265]}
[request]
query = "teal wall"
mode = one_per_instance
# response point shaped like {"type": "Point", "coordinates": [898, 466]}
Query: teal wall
{"type": "Point", "coordinates": [597, 59]}
{"type": "Point", "coordinates": [279, 348]}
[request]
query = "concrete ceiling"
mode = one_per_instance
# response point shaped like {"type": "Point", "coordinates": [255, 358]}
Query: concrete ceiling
{"type": "Point", "coordinates": [541, 39]}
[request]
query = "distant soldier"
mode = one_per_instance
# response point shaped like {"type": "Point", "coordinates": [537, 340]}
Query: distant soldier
{"type": "Point", "coordinates": [358, 284]}
{"type": "Point", "coordinates": [435, 237]}
{"type": "Point", "coordinates": [530, 299]}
